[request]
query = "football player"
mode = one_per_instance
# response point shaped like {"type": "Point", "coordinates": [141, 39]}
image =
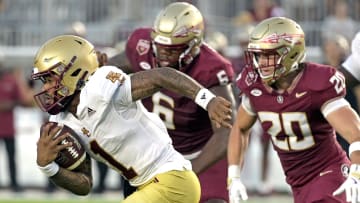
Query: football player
{"type": "Point", "coordinates": [351, 66]}
{"type": "Point", "coordinates": [300, 105]}
{"type": "Point", "coordinates": [102, 105]}
{"type": "Point", "coordinates": [176, 41]}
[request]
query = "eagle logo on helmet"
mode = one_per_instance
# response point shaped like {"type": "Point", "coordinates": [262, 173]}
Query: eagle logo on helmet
{"type": "Point", "coordinates": [185, 31]}
{"type": "Point", "coordinates": [275, 38]}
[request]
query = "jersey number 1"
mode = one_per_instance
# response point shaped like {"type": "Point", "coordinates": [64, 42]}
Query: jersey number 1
{"type": "Point", "coordinates": [96, 149]}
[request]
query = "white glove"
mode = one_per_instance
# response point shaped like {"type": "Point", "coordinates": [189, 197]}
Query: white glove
{"type": "Point", "coordinates": [351, 186]}
{"type": "Point", "coordinates": [237, 190]}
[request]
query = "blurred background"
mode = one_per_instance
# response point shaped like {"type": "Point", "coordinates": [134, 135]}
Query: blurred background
{"type": "Point", "coordinates": [26, 24]}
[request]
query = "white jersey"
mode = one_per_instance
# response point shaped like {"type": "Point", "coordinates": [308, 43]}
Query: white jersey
{"type": "Point", "coordinates": [352, 63]}
{"type": "Point", "coordinates": [120, 132]}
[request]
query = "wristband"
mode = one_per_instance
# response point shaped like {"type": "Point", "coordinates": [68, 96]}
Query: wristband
{"type": "Point", "coordinates": [234, 171]}
{"type": "Point", "coordinates": [203, 97]}
{"type": "Point", "coordinates": [50, 170]}
{"type": "Point", "coordinates": [355, 146]}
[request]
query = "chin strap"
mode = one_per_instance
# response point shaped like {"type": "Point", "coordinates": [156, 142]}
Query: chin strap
{"type": "Point", "coordinates": [63, 104]}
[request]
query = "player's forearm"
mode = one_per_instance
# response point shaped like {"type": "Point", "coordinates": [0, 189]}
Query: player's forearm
{"type": "Point", "coordinates": [146, 83]}
{"type": "Point", "coordinates": [245, 145]}
{"type": "Point", "coordinates": [212, 152]}
{"type": "Point", "coordinates": [76, 182]}
{"type": "Point", "coordinates": [238, 144]}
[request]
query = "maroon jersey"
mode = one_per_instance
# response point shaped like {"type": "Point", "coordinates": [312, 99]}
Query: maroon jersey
{"type": "Point", "coordinates": [303, 139]}
{"type": "Point", "coordinates": [188, 124]}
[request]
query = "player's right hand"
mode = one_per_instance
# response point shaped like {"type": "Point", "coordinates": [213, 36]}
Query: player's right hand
{"type": "Point", "coordinates": [48, 147]}
{"type": "Point", "coordinates": [220, 112]}
{"type": "Point", "coordinates": [237, 190]}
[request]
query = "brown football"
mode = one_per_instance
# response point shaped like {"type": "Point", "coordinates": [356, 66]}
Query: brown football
{"type": "Point", "coordinates": [70, 157]}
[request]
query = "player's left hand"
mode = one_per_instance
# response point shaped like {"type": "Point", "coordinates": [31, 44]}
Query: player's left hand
{"type": "Point", "coordinates": [219, 110]}
{"type": "Point", "coordinates": [237, 191]}
{"type": "Point", "coordinates": [351, 186]}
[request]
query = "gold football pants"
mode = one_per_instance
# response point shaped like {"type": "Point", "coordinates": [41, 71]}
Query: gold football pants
{"type": "Point", "coordinates": [169, 187]}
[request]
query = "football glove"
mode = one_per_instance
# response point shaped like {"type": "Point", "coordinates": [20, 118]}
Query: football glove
{"type": "Point", "coordinates": [351, 186]}
{"type": "Point", "coordinates": [237, 190]}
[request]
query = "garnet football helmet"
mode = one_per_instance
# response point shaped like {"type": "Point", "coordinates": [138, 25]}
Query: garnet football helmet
{"type": "Point", "coordinates": [179, 26]}
{"type": "Point", "coordinates": [280, 37]}
{"type": "Point", "coordinates": [72, 60]}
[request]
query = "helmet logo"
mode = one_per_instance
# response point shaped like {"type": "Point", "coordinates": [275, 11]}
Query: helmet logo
{"type": "Point", "coordinates": [143, 47]}
{"type": "Point", "coordinates": [275, 38]}
{"type": "Point", "coordinates": [184, 31]}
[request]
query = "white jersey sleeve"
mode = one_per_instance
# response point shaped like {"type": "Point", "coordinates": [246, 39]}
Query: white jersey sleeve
{"type": "Point", "coordinates": [105, 83]}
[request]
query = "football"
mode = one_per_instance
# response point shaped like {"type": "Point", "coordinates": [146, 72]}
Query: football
{"type": "Point", "coordinates": [70, 157]}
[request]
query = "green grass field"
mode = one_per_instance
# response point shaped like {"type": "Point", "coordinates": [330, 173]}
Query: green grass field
{"type": "Point", "coordinates": [280, 199]}
{"type": "Point", "coordinates": [58, 201]}
{"type": "Point", "coordinates": [38, 196]}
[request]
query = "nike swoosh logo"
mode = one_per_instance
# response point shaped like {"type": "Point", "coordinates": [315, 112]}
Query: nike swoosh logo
{"type": "Point", "coordinates": [298, 95]}
{"type": "Point", "coordinates": [325, 172]}
{"type": "Point", "coordinates": [49, 59]}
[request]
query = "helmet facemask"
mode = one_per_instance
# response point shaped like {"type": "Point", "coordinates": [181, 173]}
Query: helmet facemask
{"type": "Point", "coordinates": [175, 56]}
{"type": "Point", "coordinates": [59, 93]}
{"type": "Point", "coordinates": [271, 61]}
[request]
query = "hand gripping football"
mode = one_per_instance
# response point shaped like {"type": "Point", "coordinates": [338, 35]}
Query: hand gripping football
{"type": "Point", "coordinates": [70, 157]}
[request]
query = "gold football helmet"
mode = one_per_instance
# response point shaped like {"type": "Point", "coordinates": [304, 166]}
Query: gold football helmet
{"type": "Point", "coordinates": [180, 25]}
{"type": "Point", "coordinates": [71, 60]}
{"type": "Point", "coordinates": [280, 37]}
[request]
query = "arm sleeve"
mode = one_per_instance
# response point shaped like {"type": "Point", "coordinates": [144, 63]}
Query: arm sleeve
{"type": "Point", "coordinates": [333, 106]}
